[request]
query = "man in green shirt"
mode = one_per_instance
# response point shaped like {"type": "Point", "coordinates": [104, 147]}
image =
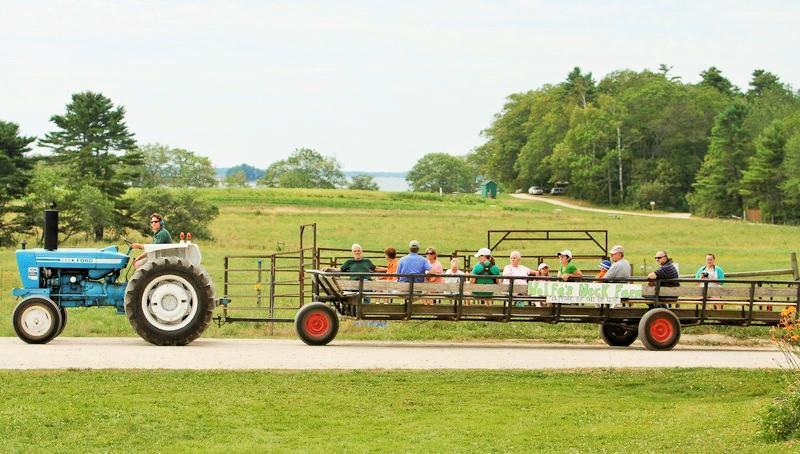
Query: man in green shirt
{"type": "Point", "coordinates": [567, 269]}
{"type": "Point", "coordinates": [160, 236]}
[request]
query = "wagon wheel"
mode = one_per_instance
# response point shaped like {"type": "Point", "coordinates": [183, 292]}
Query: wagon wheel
{"type": "Point", "coordinates": [316, 324]}
{"type": "Point", "coordinates": [617, 336]}
{"type": "Point", "coordinates": [659, 329]}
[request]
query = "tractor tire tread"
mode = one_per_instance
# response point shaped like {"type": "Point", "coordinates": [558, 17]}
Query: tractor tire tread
{"type": "Point", "coordinates": [196, 275]}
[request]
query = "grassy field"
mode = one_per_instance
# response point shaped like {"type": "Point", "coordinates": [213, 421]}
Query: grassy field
{"type": "Point", "coordinates": [460, 411]}
{"type": "Point", "coordinates": [257, 221]}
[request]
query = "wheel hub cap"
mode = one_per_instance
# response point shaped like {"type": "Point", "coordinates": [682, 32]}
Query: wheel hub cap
{"type": "Point", "coordinates": [36, 321]}
{"type": "Point", "coordinates": [317, 324]}
{"type": "Point", "coordinates": [170, 302]}
{"type": "Point", "coordinates": [661, 330]}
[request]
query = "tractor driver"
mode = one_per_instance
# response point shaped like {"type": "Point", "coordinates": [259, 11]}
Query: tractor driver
{"type": "Point", "coordinates": [160, 236]}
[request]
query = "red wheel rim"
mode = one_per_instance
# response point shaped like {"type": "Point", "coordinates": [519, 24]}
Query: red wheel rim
{"type": "Point", "coordinates": [661, 330]}
{"type": "Point", "coordinates": [317, 323]}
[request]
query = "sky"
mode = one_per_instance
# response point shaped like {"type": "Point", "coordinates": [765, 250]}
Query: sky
{"type": "Point", "coordinates": [375, 84]}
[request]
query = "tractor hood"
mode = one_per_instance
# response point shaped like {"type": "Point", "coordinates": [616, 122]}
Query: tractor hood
{"type": "Point", "coordinates": [97, 262]}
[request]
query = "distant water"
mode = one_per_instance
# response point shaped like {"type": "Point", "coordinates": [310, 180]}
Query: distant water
{"type": "Point", "coordinates": [392, 184]}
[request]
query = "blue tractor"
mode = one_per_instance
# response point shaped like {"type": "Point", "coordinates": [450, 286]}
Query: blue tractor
{"type": "Point", "coordinates": [169, 300]}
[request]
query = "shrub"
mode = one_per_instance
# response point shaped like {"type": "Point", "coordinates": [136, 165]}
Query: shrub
{"type": "Point", "coordinates": [780, 420]}
{"type": "Point", "coordinates": [182, 209]}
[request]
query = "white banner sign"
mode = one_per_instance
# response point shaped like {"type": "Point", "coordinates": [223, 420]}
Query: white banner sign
{"type": "Point", "coordinates": [558, 292]}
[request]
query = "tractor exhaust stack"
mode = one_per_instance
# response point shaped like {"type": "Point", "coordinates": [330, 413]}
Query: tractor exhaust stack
{"type": "Point", "coordinates": [51, 230]}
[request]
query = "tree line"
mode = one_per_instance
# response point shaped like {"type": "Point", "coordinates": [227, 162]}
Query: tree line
{"type": "Point", "coordinates": [636, 137]}
{"type": "Point", "coordinates": [104, 183]}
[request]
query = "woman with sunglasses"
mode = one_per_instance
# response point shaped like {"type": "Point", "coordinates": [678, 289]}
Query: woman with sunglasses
{"type": "Point", "coordinates": [436, 266]}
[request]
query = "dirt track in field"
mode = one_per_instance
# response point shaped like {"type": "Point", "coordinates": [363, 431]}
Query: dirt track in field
{"type": "Point", "coordinates": [134, 353]}
{"type": "Point", "coordinates": [554, 201]}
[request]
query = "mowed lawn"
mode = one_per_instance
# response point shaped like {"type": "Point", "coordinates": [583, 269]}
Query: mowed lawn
{"type": "Point", "coordinates": [689, 410]}
{"type": "Point", "coordinates": [259, 221]}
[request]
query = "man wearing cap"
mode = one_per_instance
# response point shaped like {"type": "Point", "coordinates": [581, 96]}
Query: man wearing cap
{"type": "Point", "coordinates": [413, 263]}
{"type": "Point", "coordinates": [621, 268]}
{"type": "Point", "coordinates": [567, 269]}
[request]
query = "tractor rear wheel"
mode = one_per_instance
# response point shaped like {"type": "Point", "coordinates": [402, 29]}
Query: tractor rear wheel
{"type": "Point", "coordinates": [37, 320]}
{"type": "Point", "coordinates": [316, 324]}
{"type": "Point", "coordinates": [169, 301]}
{"type": "Point", "coordinates": [659, 329]}
{"type": "Point", "coordinates": [617, 336]}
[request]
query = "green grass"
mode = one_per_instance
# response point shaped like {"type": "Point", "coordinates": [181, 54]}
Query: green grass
{"type": "Point", "coordinates": [462, 411]}
{"type": "Point", "coordinates": [258, 221]}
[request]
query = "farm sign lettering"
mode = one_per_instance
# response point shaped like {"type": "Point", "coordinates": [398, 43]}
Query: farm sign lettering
{"type": "Point", "coordinates": [583, 293]}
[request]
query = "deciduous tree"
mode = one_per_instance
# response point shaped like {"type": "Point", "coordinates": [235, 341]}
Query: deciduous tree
{"type": "Point", "coordinates": [441, 170]}
{"type": "Point", "coordinates": [305, 168]}
{"type": "Point", "coordinates": [363, 182]}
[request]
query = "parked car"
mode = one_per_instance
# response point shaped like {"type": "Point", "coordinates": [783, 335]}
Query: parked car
{"type": "Point", "coordinates": [558, 191]}
{"type": "Point", "coordinates": [535, 190]}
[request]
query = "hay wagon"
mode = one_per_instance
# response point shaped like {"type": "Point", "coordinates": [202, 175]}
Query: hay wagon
{"type": "Point", "coordinates": [293, 287]}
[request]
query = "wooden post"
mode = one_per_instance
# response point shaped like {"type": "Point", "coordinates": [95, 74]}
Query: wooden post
{"type": "Point", "coordinates": [795, 274]}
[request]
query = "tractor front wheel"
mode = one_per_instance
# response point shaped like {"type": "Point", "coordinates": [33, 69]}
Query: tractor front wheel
{"type": "Point", "coordinates": [37, 320]}
{"type": "Point", "coordinates": [316, 324]}
{"type": "Point", "coordinates": [169, 301]}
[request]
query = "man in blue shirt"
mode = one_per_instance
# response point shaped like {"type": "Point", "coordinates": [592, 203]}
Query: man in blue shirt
{"type": "Point", "coordinates": [413, 263]}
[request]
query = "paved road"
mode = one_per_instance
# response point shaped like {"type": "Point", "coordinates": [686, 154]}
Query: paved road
{"type": "Point", "coordinates": [134, 353]}
{"type": "Point", "coordinates": [554, 201]}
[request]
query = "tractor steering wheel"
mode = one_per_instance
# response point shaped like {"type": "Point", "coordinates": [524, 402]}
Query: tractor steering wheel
{"type": "Point", "coordinates": [129, 243]}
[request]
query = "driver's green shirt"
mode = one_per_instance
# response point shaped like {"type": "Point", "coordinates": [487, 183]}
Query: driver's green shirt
{"type": "Point", "coordinates": [162, 236]}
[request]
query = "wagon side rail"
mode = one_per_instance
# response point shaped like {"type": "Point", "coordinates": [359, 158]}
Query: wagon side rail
{"type": "Point", "coordinates": [732, 302]}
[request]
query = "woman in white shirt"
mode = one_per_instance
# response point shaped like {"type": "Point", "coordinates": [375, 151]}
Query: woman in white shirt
{"type": "Point", "coordinates": [516, 268]}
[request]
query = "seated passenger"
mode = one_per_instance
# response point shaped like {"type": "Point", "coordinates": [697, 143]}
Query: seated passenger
{"type": "Point", "coordinates": [436, 266]}
{"type": "Point", "coordinates": [485, 267]}
{"type": "Point", "coordinates": [412, 263]}
{"type": "Point", "coordinates": [604, 267]}
{"type": "Point", "coordinates": [453, 271]}
{"type": "Point", "coordinates": [542, 270]}
{"type": "Point", "coordinates": [391, 264]}
{"type": "Point", "coordinates": [710, 271]}
{"type": "Point", "coordinates": [621, 268]}
{"type": "Point", "coordinates": [568, 270]}
{"type": "Point", "coordinates": [358, 264]}
{"type": "Point", "coordinates": [516, 268]}
{"type": "Point", "coordinates": [666, 272]}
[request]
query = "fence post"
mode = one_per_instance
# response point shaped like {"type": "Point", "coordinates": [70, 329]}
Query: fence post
{"type": "Point", "coordinates": [258, 284]}
{"type": "Point", "coordinates": [272, 271]}
{"type": "Point", "coordinates": [795, 274]}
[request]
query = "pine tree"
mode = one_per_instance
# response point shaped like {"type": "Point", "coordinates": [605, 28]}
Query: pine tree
{"type": "Point", "coordinates": [93, 142]}
{"type": "Point", "coordinates": [15, 170]}
{"type": "Point", "coordinates": [716, 190]}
